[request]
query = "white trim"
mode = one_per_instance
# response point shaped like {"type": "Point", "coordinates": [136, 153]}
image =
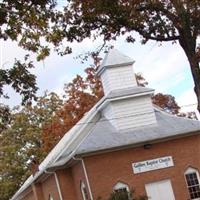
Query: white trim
{"type": "Point", "coordinates": [70, 141]}
{"type": "Point", "coordinates": [87, 180]}
{"type": "Point", "coordinates": [50, 197]}
{"type": "Point", "coordinates": [57, 183]}
{"type": "Point", "coordinates": [103, 68]}
{"type": "Point", "coordinates": [106, 100]}
{"type": "Point", "coordinates": [86, 176]}
{"type": "Point", "coordinates": [83, 187]}
{"type": "Point", "coordinates": [120, 185]}
{"type": "Point", "coordinates": [191, 170]}
{"type": "Point", "coordinates": [58, 186]}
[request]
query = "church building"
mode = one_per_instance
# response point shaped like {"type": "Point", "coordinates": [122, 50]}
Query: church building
{"type": "Point", "coordinates": [124, 142]}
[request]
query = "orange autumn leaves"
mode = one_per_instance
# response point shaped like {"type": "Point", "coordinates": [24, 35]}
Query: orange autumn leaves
{"type": "Point", "coordinates": [81, 95]}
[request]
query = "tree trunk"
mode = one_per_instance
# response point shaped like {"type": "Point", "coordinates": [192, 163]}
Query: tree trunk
{"type": "Point", "coordinates": [194, 65]}
{"type": "Point", "coordinates": [189, 48]}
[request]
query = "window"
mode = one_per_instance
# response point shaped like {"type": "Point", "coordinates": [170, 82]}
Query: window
{"type": "Point", "coordinates": [192, 180]}
{"type": "Point", "coordinates": [84, 191]}
{"type": "Point", "coordinates": [50, 197]}
{"type": "Point", "coordinates": [122, 188]}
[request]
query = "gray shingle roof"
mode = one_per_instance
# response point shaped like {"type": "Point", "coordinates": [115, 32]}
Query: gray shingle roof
{"type": "Point", "coordinates": [104, 136]}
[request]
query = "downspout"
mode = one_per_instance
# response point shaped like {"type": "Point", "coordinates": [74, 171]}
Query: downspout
{"type": "Point", "coordinates": [86, 176]}
{"type": "Point", "coordinates": [57, 183]}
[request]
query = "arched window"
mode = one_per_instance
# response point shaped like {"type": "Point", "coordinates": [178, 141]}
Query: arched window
{"type": "Point", "coordinates": [193, 182]}
{"type": "Point", "coordinates": [123, 188]}
{"type": "Point", "coordinates": [51, 197]}
{"type": "Point", "coordinates": [84, 191]}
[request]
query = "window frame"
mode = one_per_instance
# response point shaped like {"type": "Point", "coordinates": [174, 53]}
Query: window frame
{"type": "Point", "coordinates": [120, 186]}
{"type": "Point", "coordinates": [84, 191]}
{"type": "Point", "coordinates": [50, 197]}
{"type": "Point", "coordinates": [191, 170]}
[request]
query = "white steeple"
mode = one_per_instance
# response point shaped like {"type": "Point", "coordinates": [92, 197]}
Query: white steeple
{"type": "Point", "coordinates": [116, 71]}
{"type": "Point", "coordinates": [126, 105]}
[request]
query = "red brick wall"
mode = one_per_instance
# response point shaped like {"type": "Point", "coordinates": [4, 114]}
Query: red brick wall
{"type": "Point", "coordinates": [78, 176]}
{"type": "Point", "coordinates": [49, 187]}
{"type": "Point", "coordinates": [29, 196]}
{"type": "Point", "coordinates": [66, 184]}
{"type": "Point", "coordinates": [104, 170]}
{"type": "Point", "coordinates": [69, 180]}
{"type": "Point", "coordinates": [37, 191]}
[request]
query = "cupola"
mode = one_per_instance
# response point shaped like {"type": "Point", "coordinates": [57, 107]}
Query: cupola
{"type": "Point", "coordinates": [126, 105]}
{"type": "Point", "coordinates": [116, 72]}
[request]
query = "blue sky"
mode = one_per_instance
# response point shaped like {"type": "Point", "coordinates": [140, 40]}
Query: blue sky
{"type": "Point", "coordinates": [164, 66]}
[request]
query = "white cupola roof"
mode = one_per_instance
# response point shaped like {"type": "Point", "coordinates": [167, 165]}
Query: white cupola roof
{"type": "Point", "coordinates": [126, 104]}
{"type": "Point", "coordinates": [116, 72]}
{"type": "Point", "coordinates": [115, 58]}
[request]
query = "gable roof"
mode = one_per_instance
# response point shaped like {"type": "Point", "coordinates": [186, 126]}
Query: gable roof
{"type": "Point", "coordinates": [94, 133]}
{"type": "Point", "coordinates": [104, 136]}
{"type": "Point", "coordinates": [66, 146]}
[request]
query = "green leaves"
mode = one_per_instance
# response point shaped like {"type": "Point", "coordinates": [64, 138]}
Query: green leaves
{"type": "Point", "coordinates": [20, 79]}
{"type": "Point", "coordinates": [123, 194]}
{"type": "Point", "coordinates": [21, 140]}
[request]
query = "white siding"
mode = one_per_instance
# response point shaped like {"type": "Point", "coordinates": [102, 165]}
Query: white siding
{"type": "Point", "coordinates": [127, 113]}
{"type": "Point", "coordinates": [105, 82]}
{"type": "Point", "coordinates": [108, 113]}
{"type": "Point", "coordinates": [130, 113]}
{"type": "Point", "coordinates": [118, 78]}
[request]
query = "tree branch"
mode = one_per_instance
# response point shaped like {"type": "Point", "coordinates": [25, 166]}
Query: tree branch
{"type": "Point", "coordinates": [160, 8]}
{"type": "Point", "coordinates": [158, 38]}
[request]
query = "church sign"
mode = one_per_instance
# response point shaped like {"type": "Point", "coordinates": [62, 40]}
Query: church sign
{"type": "Point", "coordinates": [154, 164]}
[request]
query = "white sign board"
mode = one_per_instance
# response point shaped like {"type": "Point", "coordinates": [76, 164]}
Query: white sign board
{"type": "Point", "coordinates": [154, 164]}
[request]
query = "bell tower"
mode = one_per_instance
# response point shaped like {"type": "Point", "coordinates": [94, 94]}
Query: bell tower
{"type": "Point", "coordinates": [126, 105]}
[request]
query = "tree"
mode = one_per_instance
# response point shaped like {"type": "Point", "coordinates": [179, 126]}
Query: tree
{"type": "Point", "coordinates": [30, 132]}
{"type": "Point", "coordinates": [174, 20]}
{"type": "Point", "coordinates": [82, 94]}
{"type": "Point", "coordinates": [124, 195]}
{"type": "Point", "coordinates": [21, 141]}
{"type": "Point", "coordinates": [167, 102]}
{"type": "Point", "coordinates": [25, 22]}
{"type": "Point", "coordinates": [20, 79]}
{"type": "Point", "coordinates": [13, 158]}
{"type": "Point", "coordinates": [161, 21]}
{"type": "Point", "coordinates": [5, 117]}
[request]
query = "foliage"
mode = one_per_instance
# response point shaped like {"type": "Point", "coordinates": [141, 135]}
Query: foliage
{"type": "Point", "coordinates": [167, 102]}
{"type": "Point", "coordinates": [124, 195]}
{"type": "Point", "coordinates": [161, 21]}
{"type": "Point", "coordinates": [5, 117]}
{"type": "Point", "coordinates": [21, 141]}
{"type": "Point", "coordinates": [82, 94]}
{"type": "Point", "coordinates": [30, 132]}
{"type": "Point", "coordinates": [20, 79]}
{"type": "Point", "coordinates": [13, 157]}
{"type": "Point", "coordinates": [154, 20]}
{"type": "Point", "coordinates": [25, 21]}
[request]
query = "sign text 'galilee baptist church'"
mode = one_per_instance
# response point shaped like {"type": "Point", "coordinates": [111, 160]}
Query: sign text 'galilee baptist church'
{"type": "Point", "coordinates": [154, 164]}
